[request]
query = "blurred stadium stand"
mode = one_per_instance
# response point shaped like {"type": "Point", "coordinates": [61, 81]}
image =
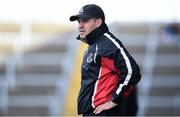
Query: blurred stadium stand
{"type": "Point", "coordinates": [36, 62]}
{"type": "Point", "coordinates": [35, 72]}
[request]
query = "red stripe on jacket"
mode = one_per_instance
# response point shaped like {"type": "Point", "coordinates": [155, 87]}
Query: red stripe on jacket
{"type": "Point", "coordinates": [107, 82]}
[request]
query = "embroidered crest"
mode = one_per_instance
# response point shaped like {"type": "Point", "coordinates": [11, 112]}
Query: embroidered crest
{"type": "Point", "coordinates": [90, 57]}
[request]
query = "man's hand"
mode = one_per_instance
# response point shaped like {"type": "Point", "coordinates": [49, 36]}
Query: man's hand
{"type": "Point", "coordinates": [106, 106]}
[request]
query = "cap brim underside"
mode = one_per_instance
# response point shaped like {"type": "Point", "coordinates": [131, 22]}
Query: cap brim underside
{"type": "Point", "coordinates": [79, 16]}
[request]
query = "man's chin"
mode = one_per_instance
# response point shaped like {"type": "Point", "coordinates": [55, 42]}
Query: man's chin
{"type": "Point", "coordinates": [82, 36]}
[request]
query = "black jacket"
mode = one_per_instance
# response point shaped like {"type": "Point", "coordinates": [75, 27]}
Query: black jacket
{"type": "Point", "coordinates": [108, 71]}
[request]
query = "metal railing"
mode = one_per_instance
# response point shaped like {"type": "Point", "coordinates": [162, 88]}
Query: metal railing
{"type": "Point", "coordinates": [148, 65]}
{"type": "Point", "coordinates": [11, 62]}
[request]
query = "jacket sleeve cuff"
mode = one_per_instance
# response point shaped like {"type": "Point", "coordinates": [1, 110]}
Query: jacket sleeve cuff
{"type": "Point", "coordinates": [117, 99]}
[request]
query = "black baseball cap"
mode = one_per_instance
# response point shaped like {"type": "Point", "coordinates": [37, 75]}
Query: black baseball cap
{"type": "Point", "coordinates": [89, 11]}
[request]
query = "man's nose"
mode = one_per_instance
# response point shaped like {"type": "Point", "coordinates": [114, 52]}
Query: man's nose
{"type": "Point", "coordinates": [81, 24]}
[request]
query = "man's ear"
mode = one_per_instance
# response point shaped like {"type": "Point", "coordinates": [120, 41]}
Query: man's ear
{"type": "Point", "coordinates": [98, 22]}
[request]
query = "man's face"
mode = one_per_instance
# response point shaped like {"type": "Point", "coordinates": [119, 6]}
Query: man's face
{"type": "Point", "coordinates": [86, 26]}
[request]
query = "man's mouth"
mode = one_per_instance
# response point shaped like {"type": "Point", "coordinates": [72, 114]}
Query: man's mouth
{"type": "Point", "coordinates": [81, 31]}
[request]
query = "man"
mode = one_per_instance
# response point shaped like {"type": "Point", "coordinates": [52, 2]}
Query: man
{"type": "Point", "coordinates": [109, 73]}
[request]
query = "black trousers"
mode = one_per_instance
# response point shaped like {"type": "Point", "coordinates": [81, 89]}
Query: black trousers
{"type": "Point", "coordinates": [128, 107]}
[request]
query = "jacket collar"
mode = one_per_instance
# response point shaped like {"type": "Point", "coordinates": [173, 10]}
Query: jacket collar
{"type": "Point", "coordinates": [93, 36]}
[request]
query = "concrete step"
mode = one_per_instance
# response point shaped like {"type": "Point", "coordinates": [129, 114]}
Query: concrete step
{"type": "Point", "coordinates": [167, 49]}
{"type": "Point", "coordinates": [43, 58]}
{"type": "Point", "coordinates": [27, 111]}
{"type": "Point", "coordinates": [166, 111]}
{"type": "Point", "coordinates": [133, 28]}
{"type": "Point", "coordinates": [35, 84]}
{"type": "Point", "coordinates": [28, 105]}
{"type": "Point", "coordinates": [38, 84]}
{"type": "Point", "coordinates": [162, 60]}
{"type": "Point", "coordinates": [163, 106]}
{"type": "Point", "coordinates": [133, 40]}
{"type": "Point", "coordinates": [38, 69]}
{"type": "Point", "coordinates": [136, 49]}
{"type": "Point", "coordinates": [170, 70]}
{"type": "Point", "coordinates": [165, 86]}
{"type": "Point", "coordinates": [35, 67]}
{"type": "Point", "coordinates": [167, 60]}
{"type": "Point", "coordinates": [39, 38]}
{"type": "Point", "coordinates": [164, 91]}
{"type": "Point", "coordinates": [49, 49]}
{"type": "Point", "coordinates": [32, 90]}
{"type": "Point", "coordinates": [2, 69]}
{"type": "Point", "coordinates": [29, 100]}
{"type": "Point", "coordinates": [37, 79]}
{"type": "Point", "coordinates": [170, 81]}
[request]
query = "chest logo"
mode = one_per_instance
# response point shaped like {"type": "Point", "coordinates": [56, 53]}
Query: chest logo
{"type": "Point", "coordinates": [90, 57]}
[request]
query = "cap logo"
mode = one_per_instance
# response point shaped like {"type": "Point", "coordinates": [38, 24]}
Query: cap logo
{"type": "Point", "coordinates": [81, 10]}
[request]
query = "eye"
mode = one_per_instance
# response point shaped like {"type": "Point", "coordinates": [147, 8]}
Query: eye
{"type": "Point", "coordinates": [83, 20]}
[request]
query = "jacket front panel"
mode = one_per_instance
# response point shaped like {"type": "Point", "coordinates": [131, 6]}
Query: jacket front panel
{"type": "Point", "coordinates": [89, 72]}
